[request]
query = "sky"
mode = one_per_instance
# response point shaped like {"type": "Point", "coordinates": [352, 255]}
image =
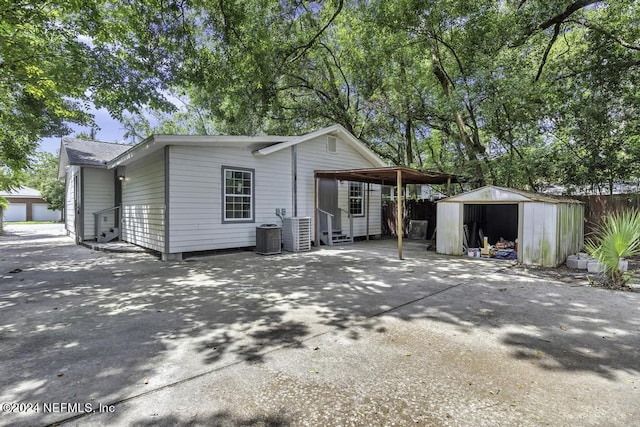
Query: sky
{"type": "Point", "coordinates": [110, 130]}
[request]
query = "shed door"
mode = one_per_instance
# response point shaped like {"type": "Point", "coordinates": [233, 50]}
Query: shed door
{"type": "Point", "coordinates": [328, 201]}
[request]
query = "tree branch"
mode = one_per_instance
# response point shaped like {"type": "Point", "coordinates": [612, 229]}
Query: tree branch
{"type": "Point", "coordinates": [556, 32]}
{"type": "Point", "coordinates": [570, 10]}
{"type": "Point", "coordinates": [605, 33]}
{"type": "Point", "coordinates": [311, 42]}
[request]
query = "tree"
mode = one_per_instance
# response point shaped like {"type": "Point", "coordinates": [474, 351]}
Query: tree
{"type": "Point", "coordinates": [519, 92]}
{"type": "Point", "coordinates": [57, 56]}
{"type": "Point", "coordinates": [43, 176]}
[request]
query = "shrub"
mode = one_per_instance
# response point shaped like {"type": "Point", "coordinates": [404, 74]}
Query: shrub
{"type": "Point", "coordinates": [616, 239]}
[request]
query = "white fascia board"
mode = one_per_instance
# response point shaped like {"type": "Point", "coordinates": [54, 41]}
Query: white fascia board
{"type": "Point", "coordinates": [157, 142]}
{"type": "Point", "coordinates": [63, 162]}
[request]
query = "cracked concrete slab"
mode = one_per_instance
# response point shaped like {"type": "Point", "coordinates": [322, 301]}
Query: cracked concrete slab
{"type": "Point", "coordinates": [347, 335]}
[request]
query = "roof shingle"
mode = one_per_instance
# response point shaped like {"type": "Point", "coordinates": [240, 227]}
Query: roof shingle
{"type": "Point", "coordinates": [91, 153]}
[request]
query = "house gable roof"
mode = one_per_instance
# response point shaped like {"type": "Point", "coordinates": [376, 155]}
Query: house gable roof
{"type": "Point", "coordinates": [335, 130]}
{"type": "Point", "coordinates": [22, 192]}
{"type": "Point", "coordinates": [85, 152]}
{"type": "Point", "coordinates": [103, 154]}
{"type": "Point", "coordinates": [493, 194]}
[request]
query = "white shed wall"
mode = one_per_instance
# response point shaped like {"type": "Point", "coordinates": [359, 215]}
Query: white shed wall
{"type": "Point", "coordinates": [539, 234]}
{"type": "Point", "coordinates": [98, 193]}
{"type": "Point", "coordinates": [312, 155]}
{"type": "Point", "coordinates": [143, 203]}
{"type": "Point", "coordinates": [570, 230]}
{"type": "Point", "coordinates": [449, 232]}
{"type": "Point", "coordinates": [195, 196]}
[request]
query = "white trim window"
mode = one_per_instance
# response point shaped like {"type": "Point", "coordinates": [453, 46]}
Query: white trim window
{"type": "Point", "coordinates": [356, 198]}
{"type": "Point", "coordinates": [238, 203]}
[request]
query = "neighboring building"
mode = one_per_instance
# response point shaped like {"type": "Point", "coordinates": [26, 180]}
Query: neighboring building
{"type": "Point", "coordinates": [176, 194]}
{"type": "Point", "coordinates": [26, 204]}
{"type": "Point", "coordinates": [547, 228]}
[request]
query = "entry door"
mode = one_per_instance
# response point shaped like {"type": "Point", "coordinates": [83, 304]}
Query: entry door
{"type": "Point", "coordinates": [328, 201]}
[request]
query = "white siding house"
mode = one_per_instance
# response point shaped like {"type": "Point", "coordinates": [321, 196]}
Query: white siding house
{"type": "Point", "coordinates": [98, 193]}
{"type": "Point", "coordinates": [196, 207]}
{"type": "Point", "coordinates": [194, 193]}
{"type": "Point", "coordinates": [89, 185]}
{"type": "Point", "coordinates": [143, 202]}
{"type": "Point", "coordinates": [547, 228]}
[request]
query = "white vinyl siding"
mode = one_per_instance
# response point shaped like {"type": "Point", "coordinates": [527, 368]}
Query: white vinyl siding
{"type": "Point", "coordinates": [311, 156]}
{"type": "Point", "coordinates": [70, 200]}
{"type": "Point", "coordinates": [143, 203]}
{"type": "Point", "coordinates": [195, 196]}
{"type": "Point", "coordinates": [98, 193]}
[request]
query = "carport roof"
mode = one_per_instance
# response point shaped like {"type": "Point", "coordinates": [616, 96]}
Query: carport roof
{"type": "Point", "coordinates": [388, 175]}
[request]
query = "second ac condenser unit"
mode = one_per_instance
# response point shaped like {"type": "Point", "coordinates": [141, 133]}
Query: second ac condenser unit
{"type": "Point", "coordinates": [296, 234]}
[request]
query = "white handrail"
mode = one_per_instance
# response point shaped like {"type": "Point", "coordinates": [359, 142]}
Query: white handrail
{"type": "Point", "coordinates": [98, 224]}
{"type": "Point", "coordinates": [350, 216]}
{"type": "Point", "coordinates": [329, 227]}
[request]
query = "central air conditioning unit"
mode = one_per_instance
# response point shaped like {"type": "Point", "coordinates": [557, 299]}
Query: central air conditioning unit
{"type": "Point", "coordinates": [296, 234]}
{"type": "Point", "coordinates": [268, 241]}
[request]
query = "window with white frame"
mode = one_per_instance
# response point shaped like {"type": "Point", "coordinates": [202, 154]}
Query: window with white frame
{"type": "Point", "coordinates": [356, 198]}
{"type": "Point", "coordinates": [237, 194]}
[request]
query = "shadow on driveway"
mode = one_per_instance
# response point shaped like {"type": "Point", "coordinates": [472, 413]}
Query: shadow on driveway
{"type": "Point", "coordinates": [80, 326]}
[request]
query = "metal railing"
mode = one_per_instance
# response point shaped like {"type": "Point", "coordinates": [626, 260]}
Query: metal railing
{"type": "Point", "coordinates": [325, 224]}
{"type": "Point", "coordinates": [99, 225]}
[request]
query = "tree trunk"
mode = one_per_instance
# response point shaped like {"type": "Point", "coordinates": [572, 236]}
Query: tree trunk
{"type": "Point", "coordinates": [409, 140]}
{"type": "Point", "coordinates": [473, 149]}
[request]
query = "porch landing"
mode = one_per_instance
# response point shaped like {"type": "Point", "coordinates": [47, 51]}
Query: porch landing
{"type": "Point", "coordinates": [117, 247]}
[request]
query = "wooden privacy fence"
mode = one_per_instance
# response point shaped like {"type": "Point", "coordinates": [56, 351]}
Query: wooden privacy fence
{"type": "Point", "coordinates": [412, 209]}
{"type": "Point", "coordinates": [596, 208]}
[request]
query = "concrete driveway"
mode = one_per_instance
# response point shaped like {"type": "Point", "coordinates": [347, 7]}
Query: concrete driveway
{"type": "Point", "coordinates": [344, 336]}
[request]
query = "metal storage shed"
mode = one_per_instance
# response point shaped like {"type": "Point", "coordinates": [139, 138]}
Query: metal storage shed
{"type": "Point", "coordinates": [548, 228]}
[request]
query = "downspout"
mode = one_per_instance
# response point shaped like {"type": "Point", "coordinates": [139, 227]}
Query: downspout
{"type": "Point", "coordinates": [80, 213]}
{"type": "Point", "coordinates": [167, 219]}
{"type": "Point", "coordinates": [294, 179]}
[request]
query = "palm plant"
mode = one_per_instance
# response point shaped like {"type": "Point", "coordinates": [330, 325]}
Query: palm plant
{"type": "Point", "coordinates": [616, 239]}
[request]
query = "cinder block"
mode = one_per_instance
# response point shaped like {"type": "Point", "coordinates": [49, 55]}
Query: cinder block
{"type": "Point", "coordinates": [577, 262]}
{"type": "Point", "coordinates": [595, 267]}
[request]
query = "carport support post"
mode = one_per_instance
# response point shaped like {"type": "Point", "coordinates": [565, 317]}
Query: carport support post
{"type": "Point", "coordinates": [399, 222]}
{"type": "Point", "coordinates": [368, 211]}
